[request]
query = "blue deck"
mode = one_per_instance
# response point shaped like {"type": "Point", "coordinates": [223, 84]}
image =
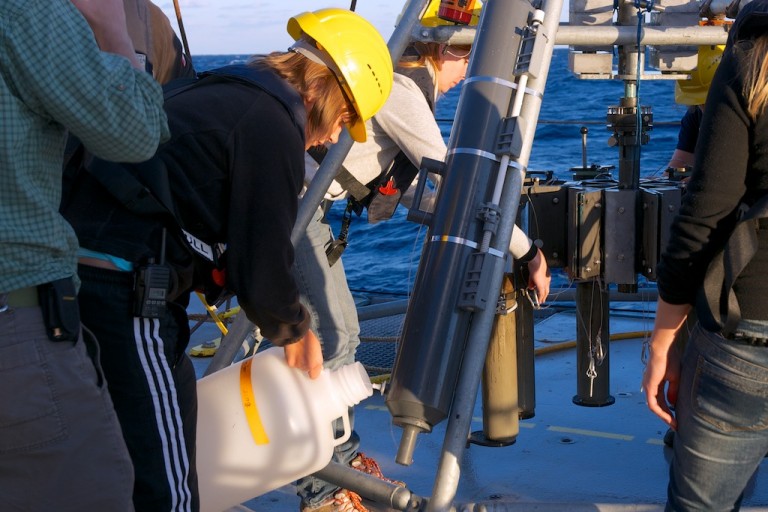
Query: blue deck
{"type": "Point", "coordinates": [566, 457]}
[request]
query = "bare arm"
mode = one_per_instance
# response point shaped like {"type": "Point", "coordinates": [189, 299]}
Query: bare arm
{"type": "Point", "coordinates": [681, 159]}
{"type": "Point", "coordinates": [662, 373]}
{"type": "Point", "coordinates": [107, 20]}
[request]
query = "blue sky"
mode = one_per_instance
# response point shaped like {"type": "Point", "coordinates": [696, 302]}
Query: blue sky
{"type": "Point", "coordinates": [256, 26]}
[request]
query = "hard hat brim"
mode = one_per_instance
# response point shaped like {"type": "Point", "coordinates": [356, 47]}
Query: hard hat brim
{"type": "Point", "coordinates": [357, 130]}
{"type": "Point", "coordinates": [364, 71]}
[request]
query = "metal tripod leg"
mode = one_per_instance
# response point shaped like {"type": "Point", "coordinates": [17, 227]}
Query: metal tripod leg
{"type": "Point", "coordinates": [230, 343]}
{"type": "Point", "coordinates": [370, 487]}
{"type": "Point", "coordinates": [460, 417]}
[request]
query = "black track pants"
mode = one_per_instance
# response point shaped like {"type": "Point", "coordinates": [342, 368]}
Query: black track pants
{"type": "Point", "coordinates": [152, 384]}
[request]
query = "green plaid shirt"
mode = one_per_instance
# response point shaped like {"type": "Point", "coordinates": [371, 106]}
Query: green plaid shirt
{"type": "Point", "coordinates": [53, 78]}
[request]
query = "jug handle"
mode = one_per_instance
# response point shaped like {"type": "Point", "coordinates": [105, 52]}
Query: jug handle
{"type": "Point", "coordinates": [347, 431]}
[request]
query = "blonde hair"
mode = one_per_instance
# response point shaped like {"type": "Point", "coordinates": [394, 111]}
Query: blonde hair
{"type": "Point", "coordinates": [756, 78]}
{"type": "Point", "coordinates": [428, 54]}
{"type": "Point", "coordinates": [316, 84]}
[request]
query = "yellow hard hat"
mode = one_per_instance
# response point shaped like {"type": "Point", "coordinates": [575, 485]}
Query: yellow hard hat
{"type": "Point", "coordinates": [694, 90]}
{"type": "Point", "coordinates": [431, 19]}
{"type": "Point", "coordinates": [358, 53]}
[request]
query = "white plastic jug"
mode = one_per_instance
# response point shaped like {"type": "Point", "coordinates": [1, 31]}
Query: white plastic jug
{"type": "Point", "coordinates": [262, 425]}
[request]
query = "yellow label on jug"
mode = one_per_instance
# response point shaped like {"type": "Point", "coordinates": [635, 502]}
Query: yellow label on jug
{"type": "Point", "coordinates": [249, 404]}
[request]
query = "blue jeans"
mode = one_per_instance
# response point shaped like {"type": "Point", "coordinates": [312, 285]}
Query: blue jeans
{"type": "Point", "coordinates": [326, 295]}
{"type": "Point", "coordinates": [722, 415]}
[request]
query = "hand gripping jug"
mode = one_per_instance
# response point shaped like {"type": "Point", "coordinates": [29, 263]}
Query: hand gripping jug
{"type": "Point", "coordinates": [262, 425]}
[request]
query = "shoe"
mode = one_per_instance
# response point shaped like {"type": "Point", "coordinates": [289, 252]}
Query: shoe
{"type": "Point", "coordinates": [371, 467]}
{"type": "Point", "coordinates": [669, 437]}
{"type": "Point", "coordinates": [343, 500]}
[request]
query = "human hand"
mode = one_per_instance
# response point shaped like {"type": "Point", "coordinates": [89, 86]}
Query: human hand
{"type": "Point", "coordinates": [661, 380]}
{"type": "Point", "coordinates": [539, 277]}
{"type": "Point", "coordinates": [306, 355]}
{"type": "Point", "coordinates": [108, 23]}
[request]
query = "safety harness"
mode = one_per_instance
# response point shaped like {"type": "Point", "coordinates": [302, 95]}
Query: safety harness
{"type": "Point", "coordinates": [380, 196]}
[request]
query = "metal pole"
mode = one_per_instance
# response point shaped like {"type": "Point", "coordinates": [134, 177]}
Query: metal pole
{"type": "Point", "coordinates": [583, 35]}
{"type": "Point", "coordinates": [385, 493]}
{"type": "Point", "coordinates": [230, 343]}
{"type": "Point", "coordinates": [182, 32]}
{"type": "Point", "coordinates": [467, 386]}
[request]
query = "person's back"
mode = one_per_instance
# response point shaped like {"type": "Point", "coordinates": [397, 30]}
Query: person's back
{"type": "Point", "coordinates": [41, 97]}
{"type": "Point", "coordinates": [155, 42]}
{"type": "Point", "coordinates": [231, 175]}
{"type": "Point", "coordinates": [714, 393]}
{"type": "Point", "coordinates": [54, 79]}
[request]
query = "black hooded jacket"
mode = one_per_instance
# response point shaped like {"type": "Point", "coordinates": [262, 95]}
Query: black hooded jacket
{"type": "Point", "coordinates": [232, 172]}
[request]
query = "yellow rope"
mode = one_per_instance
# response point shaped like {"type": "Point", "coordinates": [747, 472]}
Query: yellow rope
{"type": "Point", "coordinates": [571, 344]}
{"type": "Point", "coordinates": [214, 315]}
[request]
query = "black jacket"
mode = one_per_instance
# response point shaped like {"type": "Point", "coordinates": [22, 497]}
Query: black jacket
{"type": "Point", "coordinates": [233, 171]}
{"type": "Point", "coordinates": [731, 167]}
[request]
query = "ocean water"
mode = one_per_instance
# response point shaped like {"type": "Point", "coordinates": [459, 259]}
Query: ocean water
{"type": "Point", "coordinates": [383, 258]}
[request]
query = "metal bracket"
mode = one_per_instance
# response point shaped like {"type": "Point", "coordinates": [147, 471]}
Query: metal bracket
{"type": "Point", "coordinates": [415, 214]}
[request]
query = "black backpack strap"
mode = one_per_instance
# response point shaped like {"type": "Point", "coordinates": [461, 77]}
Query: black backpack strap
{"type": "Point", "coordinates": [152, 201]}
{"type": "Point", "coordinates": [717, 305]}
{"type": "Point", "coordinates": [266, 80]}
{"type": "Point", "coordinates": [127, 189]}
{"type": "Point", "coordinates": [178, 86]}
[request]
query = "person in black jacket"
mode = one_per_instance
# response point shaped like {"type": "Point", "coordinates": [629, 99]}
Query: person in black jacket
{"type": "Point", "coordinates": [692, 92]}
{"type": "Point", "coordinates": [718, 388]}
{"type": "Point", "coordinates": [229, 178]}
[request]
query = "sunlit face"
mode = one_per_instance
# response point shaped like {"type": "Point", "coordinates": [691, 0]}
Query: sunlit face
{"type": "Point", "coordinates": [453, 67]}
{"type": "Point", "coordinates": [333, 136]}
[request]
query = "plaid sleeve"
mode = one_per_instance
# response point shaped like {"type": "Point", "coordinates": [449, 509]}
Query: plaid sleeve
{"type": "Point", "coordinates": [113, 108]}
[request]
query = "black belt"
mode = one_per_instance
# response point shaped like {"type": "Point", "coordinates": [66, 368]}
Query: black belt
{"type": "Point", "coordinates": [747, 340]}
